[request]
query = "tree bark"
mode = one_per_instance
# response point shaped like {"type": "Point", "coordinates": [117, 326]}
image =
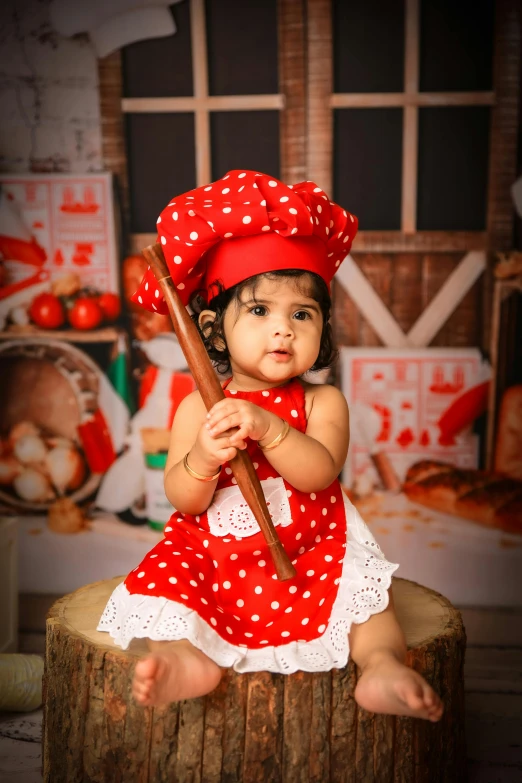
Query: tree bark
{"type": "Point", "coordinates": [299, 728]}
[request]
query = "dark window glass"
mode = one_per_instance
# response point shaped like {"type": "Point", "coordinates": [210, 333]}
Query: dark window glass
{"type": "Point", "coordinates": [456, 45]}
{"type": "Point", "coordinates": [242, 47]}
{"type": "Point", "coordinates": [160, 150]}
{"type": "Point", "coordinates": [245, 140]}
{"type": "Point", "coordinates": [453, 167]}
{"type": "Point", "coordinates": [368, 39]}
{"type": "Point", "coordinates": [368, 165]}
{"type": "Point", "coordinates": [161, 67]}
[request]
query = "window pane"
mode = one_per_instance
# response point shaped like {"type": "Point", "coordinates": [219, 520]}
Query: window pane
{"type": "Point", "coordinates": [368, 41]}
{"type": "Point", "coordinates": [368, 166]}
{"type": "Point", "coordinates": [161, 67]}
{"type": "Point", "coordinates": [160, 150]}
{"type": "Point", "coordinates": [453, 167]}
{"type": "Point", "coordinates": [242, 47]}
{"type": "Point", "coordinates": [245, 139]}
{"type": "Point", "coordinates": [456, 44]}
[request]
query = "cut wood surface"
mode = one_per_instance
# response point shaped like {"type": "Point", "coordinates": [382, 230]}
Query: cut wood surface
{"type": "Point", "coordinates": [253, 727]}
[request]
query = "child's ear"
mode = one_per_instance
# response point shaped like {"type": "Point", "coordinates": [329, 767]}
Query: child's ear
{"type": "Point", "coordinates": [205, 320]}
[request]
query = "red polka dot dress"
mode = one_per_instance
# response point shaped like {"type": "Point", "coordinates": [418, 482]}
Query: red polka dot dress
{"type": "Point", "coordinates": [211, 579]}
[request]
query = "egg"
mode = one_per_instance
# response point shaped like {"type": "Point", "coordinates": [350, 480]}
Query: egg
{"type": "Point", "coordinates": [30, 449]}
{"type": "Point", "coordinates": [66, 468]}
{"type": "Point", "coordinates": [33, 486]}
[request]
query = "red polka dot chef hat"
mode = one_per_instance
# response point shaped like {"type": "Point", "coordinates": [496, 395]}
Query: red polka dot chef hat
{"type": "Point", "coordinates": [244, 224]}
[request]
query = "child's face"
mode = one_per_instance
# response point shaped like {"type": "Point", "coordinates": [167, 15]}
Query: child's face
{"type": "Point", "coordinates": [277, 336]}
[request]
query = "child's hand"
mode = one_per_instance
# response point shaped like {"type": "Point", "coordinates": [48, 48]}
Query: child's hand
{"type": "Point", "coordinates": [252, 421]}
{"type": "Point", "coordinates": [210, 452]}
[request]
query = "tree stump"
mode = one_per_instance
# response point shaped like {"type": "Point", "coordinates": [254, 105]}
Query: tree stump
{"type": "Point", "coordinates": [254, 727]}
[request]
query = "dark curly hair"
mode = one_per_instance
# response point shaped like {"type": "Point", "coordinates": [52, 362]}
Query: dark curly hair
{"type": "Point", "coordinates": [307, 283]}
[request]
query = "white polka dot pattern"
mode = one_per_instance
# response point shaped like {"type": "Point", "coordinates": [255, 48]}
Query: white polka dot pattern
{"type": "Point", "coordinates": [242, 203]}
{"type": "Point", "coordinates": [219, 590]}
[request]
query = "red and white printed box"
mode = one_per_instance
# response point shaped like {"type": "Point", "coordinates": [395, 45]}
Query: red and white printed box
{"type": "Point", "coordinates": [396, 397]}
{"type": "Point", "coordinates": [54, 224]}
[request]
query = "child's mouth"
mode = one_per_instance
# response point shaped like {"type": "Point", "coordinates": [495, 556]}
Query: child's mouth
{"type": "Point", "coordinates": [280, 355]}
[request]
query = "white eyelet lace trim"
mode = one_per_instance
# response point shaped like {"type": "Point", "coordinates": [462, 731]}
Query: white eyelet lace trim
{"type": "Point", "coordinates": [230, 514]}
{"type": "Point", "coordinates": [363, 591]}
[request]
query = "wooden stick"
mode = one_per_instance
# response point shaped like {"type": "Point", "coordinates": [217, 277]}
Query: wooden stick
{"type": "Point", "coordinates": [211, 392]}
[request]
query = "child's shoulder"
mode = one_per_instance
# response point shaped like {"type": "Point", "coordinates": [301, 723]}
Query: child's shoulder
{"type": "Point", "coordinates": [191, 405]}
{"type": "Point", "coordinates": [321, 397]}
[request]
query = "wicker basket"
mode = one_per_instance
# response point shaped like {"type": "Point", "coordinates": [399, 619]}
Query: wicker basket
{"type": "Point", "coordinates": [54, 385]}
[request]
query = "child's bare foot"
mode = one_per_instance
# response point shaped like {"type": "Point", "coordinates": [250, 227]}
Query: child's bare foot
{"type": "Point", "coordinates": [172, 672]}
{"type": "Point", "coordinates": [389, 687]}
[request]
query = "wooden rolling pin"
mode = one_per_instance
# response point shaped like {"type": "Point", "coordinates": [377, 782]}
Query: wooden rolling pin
{"type": "Point", "coordinates": [211, 392]}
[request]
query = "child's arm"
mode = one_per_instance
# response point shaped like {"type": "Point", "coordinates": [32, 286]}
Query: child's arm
{"type": "Point", "coordinates": [311, 461]}
{"type": "Point", "coordinates": [205, 456]}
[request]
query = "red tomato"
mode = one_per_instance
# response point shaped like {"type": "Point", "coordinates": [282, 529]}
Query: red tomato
{"type": "Point", "coordinates": [110, 306]}
{"type": "Point", "coordinates": [47, 311]}
{"type": "Point", "coordinates": [85, 313]}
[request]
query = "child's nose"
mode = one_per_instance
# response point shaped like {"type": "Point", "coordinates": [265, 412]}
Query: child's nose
{"type": "Point", "coordinates": [283, 328]}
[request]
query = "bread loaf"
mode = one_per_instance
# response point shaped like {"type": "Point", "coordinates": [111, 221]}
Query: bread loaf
{"type": "Point", "coordinates": [508, 450]}
{"type": "Point", "coordinates": [481, 496]}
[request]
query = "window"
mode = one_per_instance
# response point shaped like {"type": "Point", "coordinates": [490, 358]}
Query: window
{"type": "Point", "coordinates": [411, 98]}
{"type": "Point", "coordinates": [201, 102]}
{"type": "Point", "coordinates": [391, 105]}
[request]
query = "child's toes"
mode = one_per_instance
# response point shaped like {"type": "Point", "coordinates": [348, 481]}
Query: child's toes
{"type": "Point", "coordinates": [139, 696]}
{"type": "Point", "coordinates": [142, 688]}
{"type": "Point", "coordinates": [146, 697]}
{"type": "Point", "coordinates": [140, 691]}
{"type": "Point", "coordinates": [429, 698]}
{"type": "Point", "coordinates": [414, 701]}
{"type": "Point", "coordinates": [413, 695]}
{"type": "Point", "coordinates": [435, 711]}
{"type": "Point", "coordinates": [146, 669]}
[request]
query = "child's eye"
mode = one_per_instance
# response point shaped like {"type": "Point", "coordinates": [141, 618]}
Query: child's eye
{"type": "Point", "coordinates": [302, 315]}
{"type": "Point", "coordinates": [258, 310]}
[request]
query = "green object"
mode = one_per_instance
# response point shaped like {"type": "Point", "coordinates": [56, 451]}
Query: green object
{"type": "Point", "coordinates": [154, 525]}
{"type": "Point", "coordinates": [157, 503]}
{"type": "Point", "coordinates": [118, 374]}
{"type": "Point", "coordinates": [158, 460]}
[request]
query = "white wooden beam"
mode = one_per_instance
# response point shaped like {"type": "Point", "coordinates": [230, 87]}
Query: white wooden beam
{"type": "Point", "coordinates": [370, 304]}
{"type": "Point", "coordinates": [446, 300]}
{"type": "Point", "coordinates": [378, 100]}
{"type": "Point", "coordinates": [411, 119]}
{"type": "Point", "coordinates": [200, 76]}
{"type": "Point", "coordinates": [430, 321]}
{"type": "Point", "coordinates": [211, 103]}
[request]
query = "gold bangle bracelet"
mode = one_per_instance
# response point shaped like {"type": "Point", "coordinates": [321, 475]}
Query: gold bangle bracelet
{"type": "Point", "coordinates": [198, 476]}
{"type": "Point", "coordinates": [277, 440]}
